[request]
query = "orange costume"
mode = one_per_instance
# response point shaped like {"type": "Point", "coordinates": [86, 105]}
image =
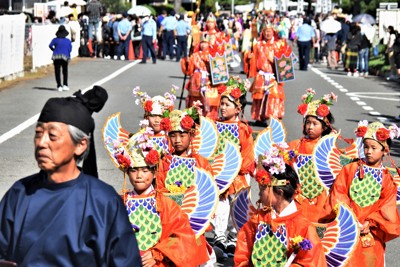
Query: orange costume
{"type": "Point", "coordinates": [246, 144]}
{"type": "Point", "coordinates": [200, 85]}
{"type": "Point", "coordinates": [371, 193]}
{"type": "Point", "coordinates": [268, 95]}
{"type": "Point", "coordinates": [163, 168]}
{"type": "Point", "coordinates": [311, 207]}
{"type": "Point", "coordinates": [274, 235]}
{"type": "Point", "coordinates": [177, 243]}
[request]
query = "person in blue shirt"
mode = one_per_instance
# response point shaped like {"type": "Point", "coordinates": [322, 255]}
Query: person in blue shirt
{"type": "Point", "coordinates": [305, 38]}
{"type": "Point", "coordinates": [61, 216]}
{"type": "Point", "coordinates": [168, 39]}
{"type": "Point", "coordinates": [149, 38]}
{"type": "Point", "coordinates": [124, 33]}
{"type": "Point", "coordinates": [61, 47]}
{"type": "Point", "coordinates": [182, 30]}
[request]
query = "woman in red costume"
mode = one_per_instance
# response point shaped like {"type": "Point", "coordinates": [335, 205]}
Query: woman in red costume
{"type": "Point", "coordinates": [268, 95]}
{"type": "Point", "coordinates": [278, 234]}
{"type": "Point", "coordinates": [317, 123]}
{"type": "Point", "coordinates": [368, 188]}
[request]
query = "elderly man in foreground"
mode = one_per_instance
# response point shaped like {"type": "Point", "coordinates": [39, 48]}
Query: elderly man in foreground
{"type": "Point", "coordinates": [61, 216]}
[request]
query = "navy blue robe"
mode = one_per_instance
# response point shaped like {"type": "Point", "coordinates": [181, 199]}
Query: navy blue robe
{"type": "Point", "coordinates": [82, 222]}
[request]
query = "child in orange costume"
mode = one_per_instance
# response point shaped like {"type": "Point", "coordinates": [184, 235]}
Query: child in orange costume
{"type": "Point", "coordinates": [277, 229]}
{"type": "Point", "coordinates": [318, 122]}
{"type": "Point", "coordinates": [198, 68]}
{"type": "Point", "coordinates": [231, 128]}
{"type": "Point", "coordinates": [268, 95]}
{"type": "Point", "coordinates": [155, 109]}
{"type": "Point", "coordinates": [180, 127]}
{"type": "Point", "coordinates": [368, 188]}
{"type": "Point", "coordinates": [163, 231]}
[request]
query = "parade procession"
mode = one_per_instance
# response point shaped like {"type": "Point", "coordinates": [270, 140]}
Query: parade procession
{"type": "Point", "coordinates": [197, 182]}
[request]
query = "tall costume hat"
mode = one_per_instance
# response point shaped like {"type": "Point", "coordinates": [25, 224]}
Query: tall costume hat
{"type": "Point", "coordinates": [377, 131]}
{"type": "Point", "coordinates": [140, 151]}
{"type": "Point", "coordinates": [158, 105]}
{"type": "Point", "coordinates": [234, 89]}
{"type": "Point", "coordinates": [317, 108]}
{"type": "Point", "coordinates": [211, 18]}
{"type": "Point", "coordinates": [180, 120]}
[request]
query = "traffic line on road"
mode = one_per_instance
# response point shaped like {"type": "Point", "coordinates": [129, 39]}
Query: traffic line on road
{"type": "Point", "coordinates": [355, 96]}
{"type": "Point", "coordinates": [29, 122]}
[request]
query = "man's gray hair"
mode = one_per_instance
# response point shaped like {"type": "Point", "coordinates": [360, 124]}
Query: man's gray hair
{"type": "Point", "coordinates": [77, 136]}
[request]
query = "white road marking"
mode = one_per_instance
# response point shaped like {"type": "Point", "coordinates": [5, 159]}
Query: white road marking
{"type": "Point", "coordinates": [19, 128]}
{"type": "Point", "coordinates": [355, 96]}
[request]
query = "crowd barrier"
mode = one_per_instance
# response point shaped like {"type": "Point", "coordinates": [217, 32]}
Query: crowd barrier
{"type": "Point", "coordinates": [12, 38]}
{"type": "Point", "coordinates": [18, 39]}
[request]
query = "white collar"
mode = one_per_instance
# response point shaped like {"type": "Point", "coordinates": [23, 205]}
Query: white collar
{"type": "Point", "coordinates": [146, 192]}
{"type": "Point", "coordinates": [290, 209]}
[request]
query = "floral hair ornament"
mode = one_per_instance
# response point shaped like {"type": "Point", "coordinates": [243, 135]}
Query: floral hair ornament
{"type": "Point", "coordinates": [180, 120]}
{"type": "Point", "coordinates": [317, 108]}
{"type": "Point", "coordinates": [234, 89]}
{"type": "Point", "coordinates": [158, 105]}
{"type": "Point", "coordinates": [377, 131]}
{"type": "Point", "coordinates": [298, 243]}
{"type": "Point", "coordinates": [273, 162]}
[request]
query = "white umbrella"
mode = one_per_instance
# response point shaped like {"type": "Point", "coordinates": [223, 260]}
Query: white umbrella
{"type": "Point", "coordinates": [330, 25]}
{"type": "Point", "coordinates": [139, 11]}
{"type": "Point", "coordinates": [364, 18]}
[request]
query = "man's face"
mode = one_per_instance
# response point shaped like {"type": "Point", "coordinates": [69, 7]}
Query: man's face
{"type": "Point", "coordinates": [54, 148]}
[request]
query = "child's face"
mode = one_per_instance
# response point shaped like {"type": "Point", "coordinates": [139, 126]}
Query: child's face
{"type": "Point", "coordinates": [373, 152]}
{"type": "Point", "coordinates": [228, 110]}
{"type": "Point", "coordinates": [141, 178]}
{"type": "Point", "coordinates": [267, 196]}
{"type": "Point", "coordinates": [155, 123]}
{"type": "Point", "coordinates": [313, 127]}
{"type": "Point", "coordinates": [180, 141]}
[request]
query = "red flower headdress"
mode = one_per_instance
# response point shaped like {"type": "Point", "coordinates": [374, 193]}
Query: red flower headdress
{"type": "Point", "coordinates": [317, 108]}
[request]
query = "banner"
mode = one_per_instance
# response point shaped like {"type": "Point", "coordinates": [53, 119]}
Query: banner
{"type": "Point", "coordinates": [219, 69]}
{"type": "Point", "coordinates": [284, 68]}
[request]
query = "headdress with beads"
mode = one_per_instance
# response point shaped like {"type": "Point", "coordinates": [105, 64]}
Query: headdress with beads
{"type": "Point", "coordinates": [180, 120]}
{"type": "Point", "coordinates": [234, 89]}
{"type": "Point", "coordinates": [274, 162]}
{"type": "Point", "coordinates": [157, 105]}
{"type": "Point", "coordinates": [377, 131]}
{"type": "Point", "coordinates": [317, 108]}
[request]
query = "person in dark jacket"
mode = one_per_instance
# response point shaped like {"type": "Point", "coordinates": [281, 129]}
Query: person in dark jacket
{"type": "Point", "coordinates": [61, 47]}
{"type": "Point", "coordinates": [353, 44]}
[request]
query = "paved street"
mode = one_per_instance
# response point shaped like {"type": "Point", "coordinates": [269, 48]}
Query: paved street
{"type": "Point", "coordinates": [369, 98]}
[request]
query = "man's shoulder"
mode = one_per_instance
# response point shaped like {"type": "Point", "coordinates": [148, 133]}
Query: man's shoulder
{"type": "Point", "coordinates": [98, 184]}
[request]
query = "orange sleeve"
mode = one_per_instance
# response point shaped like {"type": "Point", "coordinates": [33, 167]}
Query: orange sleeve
{"type": "Point", "coordinates": [339, 191]}
{"type": "Point", "coordinates": [178, 241]}
{"type": "Point", "coordinates": [244, 245]}
{"type": "Point", "coordinates": [203, 163]}
{"type": "Point", "coordinates": [163, 168]}
{"type": "Point", "coordinates": [315, 257]}
{"type": "Point", "coordinates": [247, 149]}
{"type": "Point", "coordinates": [253, 62]}
{"type": "Point", "coordinates": [385, 221]}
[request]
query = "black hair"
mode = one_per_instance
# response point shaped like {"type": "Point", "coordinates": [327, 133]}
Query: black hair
{"type": "Point", "coordinates": [327, 128]}
{"type": "Point", "coordinates": [290, 188]}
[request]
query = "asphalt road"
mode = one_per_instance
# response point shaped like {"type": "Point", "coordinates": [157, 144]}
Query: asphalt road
{"type": "Point", "coordinates": [369, 98]}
